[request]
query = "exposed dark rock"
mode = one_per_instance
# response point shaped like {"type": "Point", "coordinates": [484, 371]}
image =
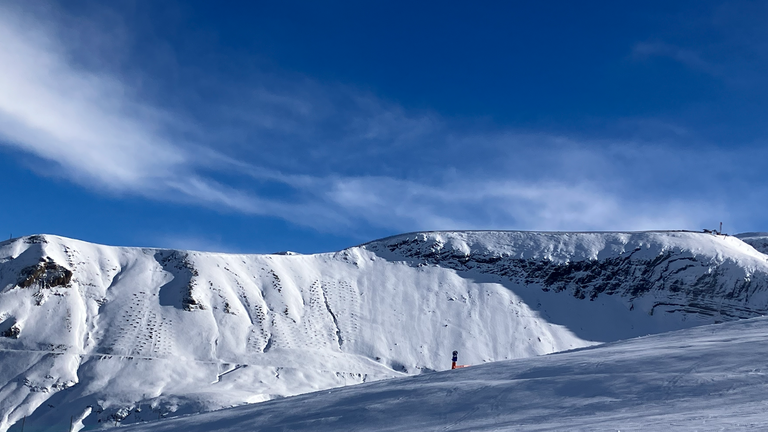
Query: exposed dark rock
{"type": "Point", "coordinates": [13, 332]}
{"type": "Point", "coordinates": [46, 274]}
{"type": "Point", "coordinates": [759, 241]}
{"type": "Point", "coordinates": [691, 285]}
{"type": "Point", "coordinates": [35, 239]}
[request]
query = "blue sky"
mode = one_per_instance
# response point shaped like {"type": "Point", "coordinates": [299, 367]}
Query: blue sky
{"type": "Point", "coordinates": [306, 126]}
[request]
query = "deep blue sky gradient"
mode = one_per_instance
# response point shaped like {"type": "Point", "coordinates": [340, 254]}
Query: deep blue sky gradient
{"type": "Point", "coordinates": [323, 125]}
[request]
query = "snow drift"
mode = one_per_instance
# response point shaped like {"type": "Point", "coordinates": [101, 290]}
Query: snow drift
{"type": "Point", "coordinates": [117, 335]}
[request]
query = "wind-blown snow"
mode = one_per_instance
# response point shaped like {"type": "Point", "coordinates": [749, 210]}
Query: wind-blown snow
{"type": "Point", "coordinates": [118, 335]}
{"type": "Point", "coordinates": [712, 377]}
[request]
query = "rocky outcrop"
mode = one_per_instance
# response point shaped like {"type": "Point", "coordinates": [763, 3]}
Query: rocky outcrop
{"type": "Point", "coordinates": [759, 241]}
{"type": "Point", "coordinates": [46, 274]}
{"type": "Point", "coordinates": [9, 328]}
{"type": "Point", "coordinates": [677, 276]}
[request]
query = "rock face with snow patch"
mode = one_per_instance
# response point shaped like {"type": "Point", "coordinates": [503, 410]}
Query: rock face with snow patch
{"type": "Point", "coordinates": [676, 271]}
{"type": "Point", "coordinates": [110, 334]}
{"type": "Point", "coordinates": [757, 240]}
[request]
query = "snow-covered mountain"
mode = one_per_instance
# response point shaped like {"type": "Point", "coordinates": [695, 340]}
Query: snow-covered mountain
{"type": "Point", "coordinates": [117, 335]}
{"type": "Point", "coordinates": [710, 378]}
{"type": "Point", "coordinates": [758, 240]}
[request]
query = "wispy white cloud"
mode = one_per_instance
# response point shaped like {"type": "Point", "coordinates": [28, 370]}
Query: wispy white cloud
{"type": "Point", "coordinates": [88, 125]}
{"type": "Point", "coordinates": [500, 204]}
{"type": "Point", "coordinates": [383, 166]}
{"type": "Point", "coordinates": [687, 57]}
{"type": "Point", "coordinates": [81, 120]}
{"type": "Point", "coordinates": [690, 58]}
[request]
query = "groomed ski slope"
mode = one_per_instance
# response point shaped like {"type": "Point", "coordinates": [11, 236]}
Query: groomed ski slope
{"type": "Point", "coordinates": [712, 377]}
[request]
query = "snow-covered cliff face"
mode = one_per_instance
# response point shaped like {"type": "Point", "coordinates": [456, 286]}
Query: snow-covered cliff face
{"type": "Point", "coordinates": [695, 273]}
{"type": "Point", "coordinates": [757, 240]}
{"type": "Point", "coordinates": [109, 334]}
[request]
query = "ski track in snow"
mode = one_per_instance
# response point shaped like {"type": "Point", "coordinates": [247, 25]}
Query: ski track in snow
{"type": "Point", "coordinates": [712, 377]}
{"type": "Point", "coordinates": [129, 334]}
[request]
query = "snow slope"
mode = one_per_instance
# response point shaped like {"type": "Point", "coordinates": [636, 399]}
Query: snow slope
{"type": "Point", "coordinates": [758, 240]}
{"type": "Point", "coordinates": [118, 335]}
{"type": "Point", "coordinates": [709, 378]}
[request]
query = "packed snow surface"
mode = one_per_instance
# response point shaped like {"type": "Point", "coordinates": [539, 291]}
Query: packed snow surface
{"type": "Point", "coordinates": [709, 378]}
{"type": "Point", "coordinates": [108, 335]}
